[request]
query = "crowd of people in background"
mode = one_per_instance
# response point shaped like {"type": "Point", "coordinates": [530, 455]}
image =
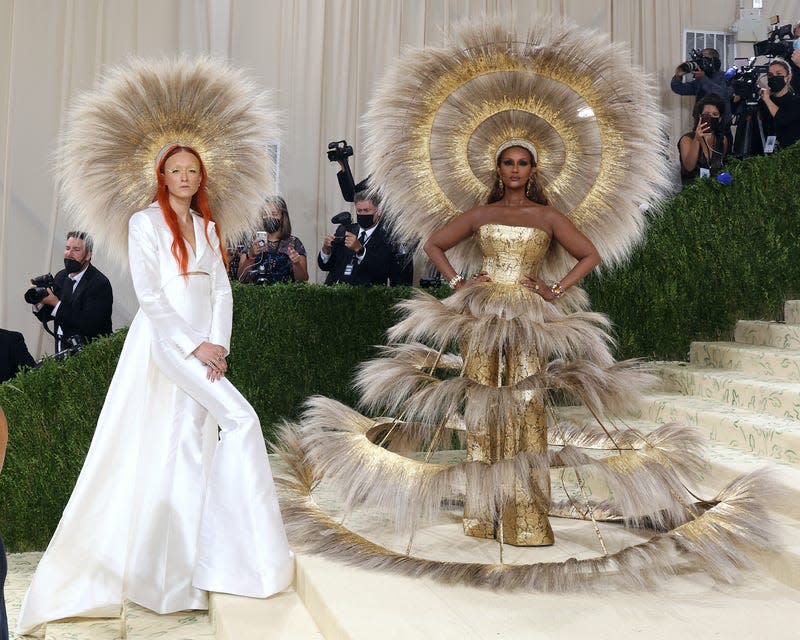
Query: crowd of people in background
{"type": "Point", "coordinates": [770, 125]}
{"type": "Point", "coordinates": [363, 253]}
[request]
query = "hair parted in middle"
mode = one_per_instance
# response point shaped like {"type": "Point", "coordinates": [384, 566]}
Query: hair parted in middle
{"type": "Point", "coordinates": [533, 190]}
{"type": "Point", "coordinates": [199, 204]}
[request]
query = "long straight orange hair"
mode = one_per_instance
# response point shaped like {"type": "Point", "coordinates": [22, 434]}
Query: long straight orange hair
{"type": "Point", "coordinates": [199, 203]}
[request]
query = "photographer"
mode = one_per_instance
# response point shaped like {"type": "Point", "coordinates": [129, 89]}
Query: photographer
{"type": "Point", "coordinates": [80, 298]}
{"type": "Point", "coordinates": [362, 253]}
{"type": "Point", "coordinates": [782, 103]}
{"type": "Point", "coordinates": [13, 354]}
{"type": "Point", "coordinates": [275, 255]}
{"type": "Point", "coordinates": [705, 68]}
{"type": "Point", "coordinates": [703, 150]}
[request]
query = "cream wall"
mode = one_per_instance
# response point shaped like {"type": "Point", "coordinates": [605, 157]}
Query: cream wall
{"type": "Point", "coordinates": [321, 56]}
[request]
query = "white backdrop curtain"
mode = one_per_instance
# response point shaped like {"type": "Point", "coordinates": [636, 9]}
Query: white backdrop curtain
{"type": "Point", "coordinates": [321, 57]}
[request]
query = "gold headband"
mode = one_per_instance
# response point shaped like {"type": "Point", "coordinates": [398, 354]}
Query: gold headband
{"type": "Point", "coordinates": [167, 147]}
{"type": "Point", "coordinates": [516, 142]}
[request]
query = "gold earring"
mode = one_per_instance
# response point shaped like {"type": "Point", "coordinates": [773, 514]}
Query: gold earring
{"type": "Point", "coordinates": [500, 186]}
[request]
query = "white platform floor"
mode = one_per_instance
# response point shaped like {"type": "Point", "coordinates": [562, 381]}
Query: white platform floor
{"type": "Point", "coordinates": [334, 601]}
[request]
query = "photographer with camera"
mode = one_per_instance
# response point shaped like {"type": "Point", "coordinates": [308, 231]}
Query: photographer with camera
{"type": "Point", "coordinates": [275, 254]}
{"type": "Point", "coordinates": [703, 150]}
{"type": "Point", "coordinates": [362, 253]}
{"type": "Point", "coordinates": [782, 103]}
{"type": "Point", "coordinates": [705, 67]}
{"type": "Point", "coordinates": [78, 298]}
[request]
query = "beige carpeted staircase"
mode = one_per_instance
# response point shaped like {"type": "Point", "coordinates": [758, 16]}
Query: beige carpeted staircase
{"type": "Point", "coordinates": [745, 397]}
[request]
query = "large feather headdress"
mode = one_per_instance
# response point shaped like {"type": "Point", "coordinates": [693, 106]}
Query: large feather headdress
{"type": "Point", "coordinates": [105, 163]}
{"type": "Point", "coordinates": [440, 115]}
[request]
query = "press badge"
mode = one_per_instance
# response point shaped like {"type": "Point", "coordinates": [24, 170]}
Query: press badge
{"type": "Point", "coordinates": [348, 270]}
{"type": "Point", "coordinates": [704, 172]}
{"type": "Point", "coordinates": [769, 145]}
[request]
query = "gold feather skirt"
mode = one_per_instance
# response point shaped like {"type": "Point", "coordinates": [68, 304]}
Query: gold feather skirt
{"type": "Point", "coordinates": [488, 372]}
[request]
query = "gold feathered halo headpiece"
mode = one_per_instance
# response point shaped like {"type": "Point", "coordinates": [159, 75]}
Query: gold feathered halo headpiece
{"type": "Point", "coordinates": [440, 116]}
{"type": "Point", "coordinates": [105, 163]}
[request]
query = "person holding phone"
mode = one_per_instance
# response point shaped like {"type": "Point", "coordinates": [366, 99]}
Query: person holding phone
{"type": "Point", "coordinates": [275, 254]}
{"type": "Point", "coordinates": [703, 150]}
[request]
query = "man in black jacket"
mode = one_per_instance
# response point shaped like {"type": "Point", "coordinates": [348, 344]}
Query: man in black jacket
{"type": "Point", "coordinates": [13, 354]}
{"type": "Point", "coordinates": [81, 299]}
{"type": "Point", "coordinates": [367, 255]}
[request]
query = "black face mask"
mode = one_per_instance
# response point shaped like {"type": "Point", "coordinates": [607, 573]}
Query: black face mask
{"type": "Point", "coordinates": [271, 225]}
{"type": "Point", "coordinates": [72, 266]}
{"type": "Point", "coordinates": [776, 83]}
{"type": "Point", "coordinates": [365, 220]}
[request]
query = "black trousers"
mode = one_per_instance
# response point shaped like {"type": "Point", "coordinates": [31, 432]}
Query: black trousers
{"type": "Point", "coordinates": [3, 572]}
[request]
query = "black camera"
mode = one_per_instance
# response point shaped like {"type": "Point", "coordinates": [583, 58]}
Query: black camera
{"type": "Point", "coordinates": [699, 62]}
{"type": "Point", "coordinates": [745, 82]}
{"type": "Point", "coordinates": [343, 219]}
{"type": "Point", "coordinates": [779, 43]}
{"type": "Point", "coordinates": [38, 291]}
{"type": "Point", "coordinates": [339, 150]}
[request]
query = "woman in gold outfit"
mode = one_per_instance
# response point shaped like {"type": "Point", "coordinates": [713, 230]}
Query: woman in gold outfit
{"type": "Point", "coordinates": [461, 143]}
{"type": "Point", "coordinates": [515, 229]}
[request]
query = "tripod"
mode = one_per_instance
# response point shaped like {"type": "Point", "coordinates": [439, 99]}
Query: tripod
{"type": "Point", "coordinates": [747, 143]}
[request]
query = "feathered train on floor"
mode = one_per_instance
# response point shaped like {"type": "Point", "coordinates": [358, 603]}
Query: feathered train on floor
{"type": "Point", "coordinates": [492, 363]}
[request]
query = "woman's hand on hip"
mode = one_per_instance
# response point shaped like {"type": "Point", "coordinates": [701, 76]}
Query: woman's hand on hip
{"type": "Point", "coordinates": [537, 285]}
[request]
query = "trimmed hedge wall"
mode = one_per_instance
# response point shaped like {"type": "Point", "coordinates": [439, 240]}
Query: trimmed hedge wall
{"type": "Point", "coordinates": [714, 255]}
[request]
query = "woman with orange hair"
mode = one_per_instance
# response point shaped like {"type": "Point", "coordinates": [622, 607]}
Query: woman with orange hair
{"type": "Point", "coordinates": [176, 497]}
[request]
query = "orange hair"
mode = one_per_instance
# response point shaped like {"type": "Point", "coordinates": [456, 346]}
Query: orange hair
{"type": "Point", "coordinates": [199, 203]}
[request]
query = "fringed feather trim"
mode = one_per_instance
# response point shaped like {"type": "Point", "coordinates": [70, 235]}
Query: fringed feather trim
{"type": "Point", "coordinates": [718, 541]}
{"type": "Point", "coordinates": [645, 482]}
{"type": "Point", "coordinates": [399, 388]}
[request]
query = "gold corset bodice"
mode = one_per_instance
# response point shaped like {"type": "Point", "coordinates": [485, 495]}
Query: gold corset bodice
{"type": "Point", "coordinates": [511, 252]}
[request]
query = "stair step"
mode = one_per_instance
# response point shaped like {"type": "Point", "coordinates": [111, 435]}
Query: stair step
{"type": "Point", "coordinates": [143, 624]}
{"type": "Point", "coordinates": [726, 463]}
{"type": "Point", "coordinates": [776, 398]}
{"type": "Point", "coordinates": [791, 312]}
{"type": "Point", "coordinates": [89, 628]}
{"type": "Point", "coordinates": [279, 617]}
{"type": "Point", "coordinates": [770, 334]}
{"type": "Point", "coordinates": [764, 435]}
{"type": "Point", "coordinates": [754, 360]}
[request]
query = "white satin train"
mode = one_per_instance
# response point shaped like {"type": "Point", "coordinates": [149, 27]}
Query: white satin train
{"type": "Point", "coordinates": [165, 509]}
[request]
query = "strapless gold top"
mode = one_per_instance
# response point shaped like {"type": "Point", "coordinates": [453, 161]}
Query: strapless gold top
{"type": "Point", "coordinates": [511, 252]}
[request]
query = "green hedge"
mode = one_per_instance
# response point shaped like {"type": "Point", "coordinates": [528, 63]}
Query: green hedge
{"type": "Point", "coordinates": [714, 255]}
{"type": "Point", "coordinates": [288, 341]}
